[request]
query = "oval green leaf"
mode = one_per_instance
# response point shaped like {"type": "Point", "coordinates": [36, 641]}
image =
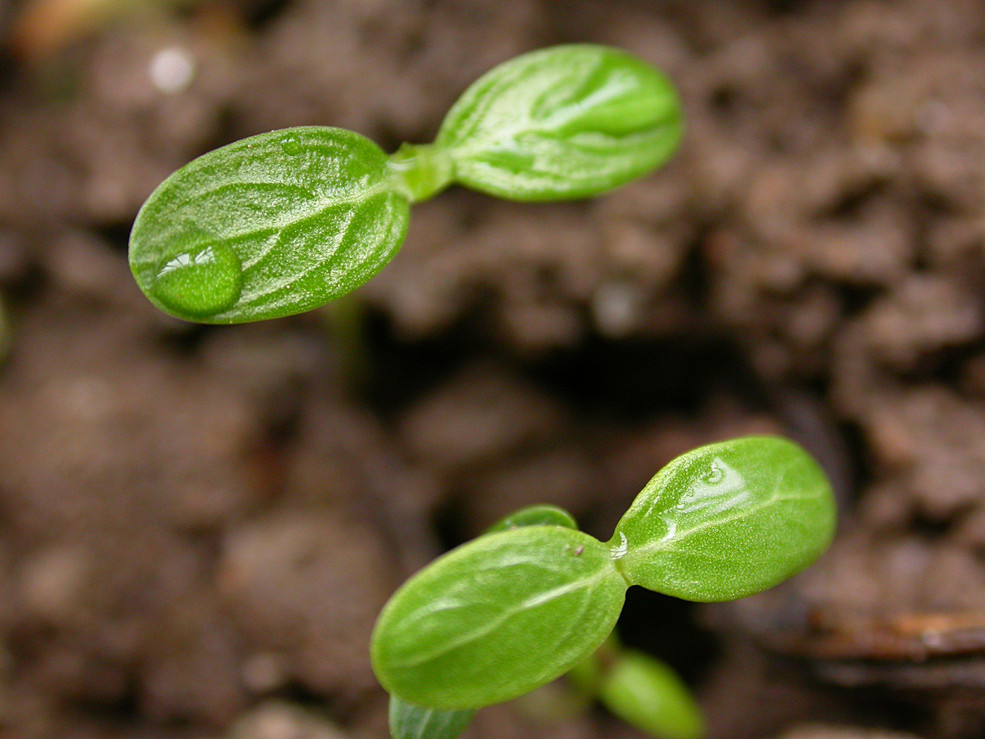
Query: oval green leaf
{"type": "Point", "coordinates": [497, 618]}
{"type": "Point", "coordinates": [269, 226]}
{"type": "Point", "coordinates": [408, 721]}
{"type": "Point", "coordinates": [563, 122]}
{"type": "Point", "coordinates": [535, 515]}
{"type": "Point", "coordinates": [648, 694]}
{"type": "Point", "coordinates": [727, 520]}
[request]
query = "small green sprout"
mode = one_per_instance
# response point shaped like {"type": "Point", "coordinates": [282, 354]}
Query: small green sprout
{"type": "Point", "coordinates": [519, 607]}
{"type": "Point", "coordinates": [287, 221]}
{"type": "Point", "coordinates": [649, 695]}
{"type": "Point", "coordinates": [640, 690]}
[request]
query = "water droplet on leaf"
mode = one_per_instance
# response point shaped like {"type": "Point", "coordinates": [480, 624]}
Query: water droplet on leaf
{"type": "Point", "coordinates": [200, 281]}
{"type": "Point", "coordinates": [291, 145]}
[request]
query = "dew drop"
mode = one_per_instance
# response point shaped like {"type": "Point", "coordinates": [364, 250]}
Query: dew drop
{"type": "Point", "coordinates": [291, 145]}
{"type": "Point", "coordinates": [200, 281]}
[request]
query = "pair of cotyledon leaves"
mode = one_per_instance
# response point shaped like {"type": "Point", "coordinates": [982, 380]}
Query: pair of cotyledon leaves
{"type": "Point", "coordinates": [287, 221]}
{"type": "Point", "coordinates": [515, 609]}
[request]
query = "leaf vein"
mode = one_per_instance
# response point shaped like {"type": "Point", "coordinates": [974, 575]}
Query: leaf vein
{"type": "Point", "coordinates": [507, 613]}
{"type": "Point", "coordinates": [674, 541]}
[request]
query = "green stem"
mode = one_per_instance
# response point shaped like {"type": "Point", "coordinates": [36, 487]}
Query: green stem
{"type": "Point", "coordinates": [421, 171]}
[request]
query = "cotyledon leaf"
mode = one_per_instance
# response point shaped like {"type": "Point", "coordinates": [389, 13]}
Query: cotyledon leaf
{"type": "Point", "coordinates": [542, 514]}
{"type": "Point", "coordinates": [269, 226]}
{"type": "Point", "coordinates": [408, 721]}
{"type": "Point", "coordinates": [727, 520]}
{"type": "Point", "coordinates": [497, 617]}
{"type": "Point", "coordinates": [649, 695]}
{"type": "Point", "coordinates": [563, 122]}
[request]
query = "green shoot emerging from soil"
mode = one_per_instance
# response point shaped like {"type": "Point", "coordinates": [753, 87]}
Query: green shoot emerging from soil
{"type": "Point", "coordinates": [530, 600]}
{"type": "Point", "coordinates": [287, 221]}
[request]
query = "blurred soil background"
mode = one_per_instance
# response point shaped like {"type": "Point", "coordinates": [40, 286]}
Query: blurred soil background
{"type": "Point", "coordinates": [198, 525]}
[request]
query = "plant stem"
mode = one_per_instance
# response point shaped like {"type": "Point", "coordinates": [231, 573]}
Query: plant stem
{"type": "Point", "coordinates": [421, 171]}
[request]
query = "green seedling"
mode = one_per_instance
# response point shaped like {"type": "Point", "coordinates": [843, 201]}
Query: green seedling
{"type": "Point", "coordinates": [287, 221]}
{"type": "Point", "coordinates": [519, 607]}
{"type": "Point", "coordinates": [634, 686]}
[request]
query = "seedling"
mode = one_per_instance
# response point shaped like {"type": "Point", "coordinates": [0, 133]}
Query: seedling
{"type": "Point", "coordinates": [517, 608]}
{"type": "Point", "coordinates": [287, 221]}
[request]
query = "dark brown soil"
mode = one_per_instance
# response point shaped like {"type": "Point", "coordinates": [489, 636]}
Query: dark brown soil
{"type": "Point", "coordinates": [198, 525]}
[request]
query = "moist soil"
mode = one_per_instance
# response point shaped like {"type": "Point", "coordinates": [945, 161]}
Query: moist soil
{"type": "Point", "coordinates": [198, 525]}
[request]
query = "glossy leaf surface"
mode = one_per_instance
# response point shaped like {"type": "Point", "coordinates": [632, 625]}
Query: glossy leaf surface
{"type": "Point", "coordinates": [727, 520]}
{"type": "Point", "coordinates": [563, 122]}
{"type": "Point", "coordinates": [272, 225]}
{"type": "Point", "coordinates": [408, 721]}
{"type": "Point", "coordinates": [648, 694]}
{"type": "Point", "coordinates": [535, 515]}
{"type": "Point", "coordinates": [497, 617]}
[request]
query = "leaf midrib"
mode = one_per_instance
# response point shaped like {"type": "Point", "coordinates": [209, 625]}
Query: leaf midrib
{"type": "Point", "coordinates": [773, 499]}
{"type": "Point", "coordinates": [535, 601]}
